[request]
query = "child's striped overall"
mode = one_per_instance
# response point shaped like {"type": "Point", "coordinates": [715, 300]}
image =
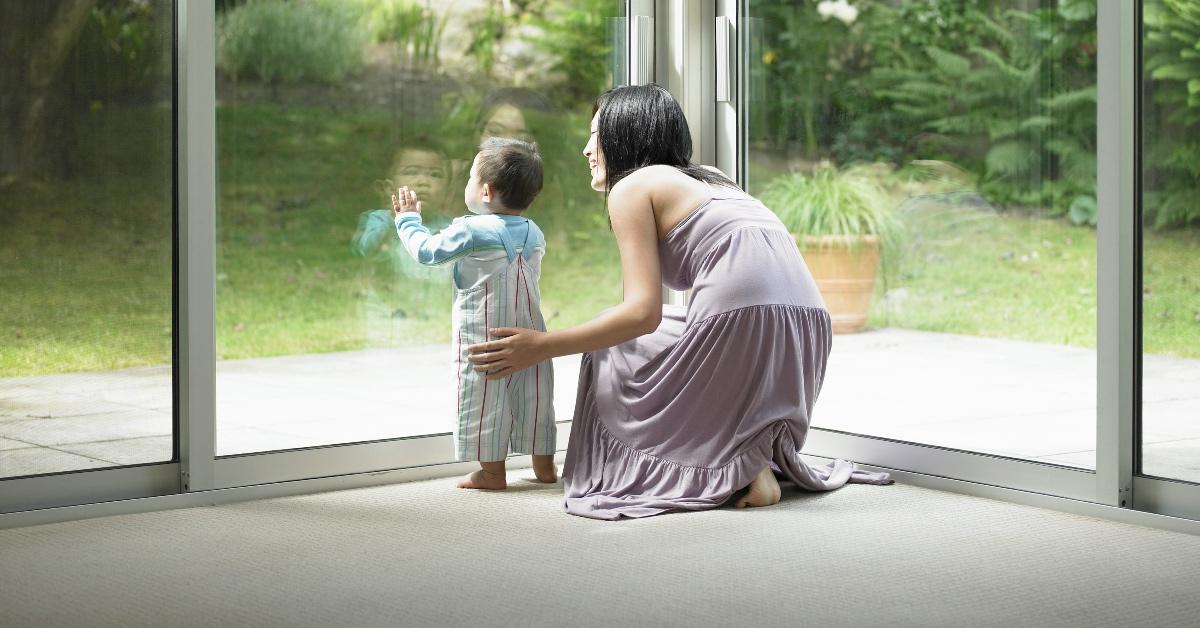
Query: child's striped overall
{"type": "Point", "coordinates": [496, 285]}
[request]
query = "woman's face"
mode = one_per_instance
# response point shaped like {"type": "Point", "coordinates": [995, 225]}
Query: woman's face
{"type": "Point", "coordinates": [595, 157]}
{"type": "Point", "coordinates": [505, 121]}
{"type": "Point", "coordinates": [425, 172]}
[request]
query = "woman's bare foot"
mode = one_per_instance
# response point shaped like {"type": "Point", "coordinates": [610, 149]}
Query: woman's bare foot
{"type": "Point", "coordinates": [544, 469]}
{"type": "Point", "coordinates": [763, 490]}
{"type": "Point", "coordinates": [491, 477]}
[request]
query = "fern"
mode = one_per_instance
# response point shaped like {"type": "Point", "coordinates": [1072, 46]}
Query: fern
{"type": "Point", "coordinates": [1172, 129]}
{"type": "Point", "coordinates": [1006, 105]}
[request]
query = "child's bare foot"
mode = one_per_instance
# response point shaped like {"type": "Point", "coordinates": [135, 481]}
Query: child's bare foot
{"type": "Point", "coordinates": [764, 490]}
{"type": "Point", "coordinates": [544, 469]}
{"type": "Point", "coordinates": [491, 477]}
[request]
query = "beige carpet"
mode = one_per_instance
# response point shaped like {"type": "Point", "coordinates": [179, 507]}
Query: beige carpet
{"type": "Point", "coordinates": [425, 554]}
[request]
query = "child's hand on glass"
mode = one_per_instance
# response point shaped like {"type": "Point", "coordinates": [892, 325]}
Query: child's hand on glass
{"type": "Point", "coordinates": [405, 200]}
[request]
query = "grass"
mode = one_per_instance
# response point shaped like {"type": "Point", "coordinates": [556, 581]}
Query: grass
{"type": "Point", "coordinates": [967, 269]}
{"type": "Point", "coordinates": [85, 265]}
{"type": "Point", "coordinates": [292, 186]}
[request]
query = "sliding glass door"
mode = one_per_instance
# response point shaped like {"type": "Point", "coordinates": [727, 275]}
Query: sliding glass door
{"type": "Point", "coordinates": [327, 331]}
{"type": "Point", "coordinates": [1169, 428]}
{"type": "Point", "coordinates": [203, 289]}
{"type": "Point", "coordinates": [936, 162]}
{"type": "Point", "coordinates": [323, 331]}
{"type": "Point", "coordinates": [86, 233]}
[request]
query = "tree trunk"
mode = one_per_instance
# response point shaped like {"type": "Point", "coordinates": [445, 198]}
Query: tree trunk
{"type": "Point", "coordinates": [35, 132]}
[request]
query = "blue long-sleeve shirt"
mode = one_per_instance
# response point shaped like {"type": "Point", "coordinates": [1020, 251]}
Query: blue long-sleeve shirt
{"type": "Point", "coordinates": [475, 243]}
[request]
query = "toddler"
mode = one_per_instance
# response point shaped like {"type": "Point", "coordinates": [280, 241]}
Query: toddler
{"type": "Point", "coordinates": [396, 292]}
{"type": "Point", "coordinates": [497, 255]}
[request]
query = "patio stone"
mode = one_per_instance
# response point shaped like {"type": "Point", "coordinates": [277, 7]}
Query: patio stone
{"type": "Point", "coordinates": [13, 392]}
{"type": "Point", "coordinates": [242, 440]}
{"type": "Point", "coordinates": [1078, 459]}
{"type": "Point", "coordinates": [1023, 436]}
{"type": "Point", "coordinates": [6, 444]}
{"type": "Point", "coordinates": [124, 451]}
{"type": "Point", "coordinates": [1163, 388]}
{"type": "Point", "coordinates": [1012, 398]}
{"type": "Point", "coordinates": [53, 406]}
{"type": "Point", "coordinates": [92, 381]}
{"type": "Point", "coordinates": [83, 429]}
{"type": "Point", "coordinates": [1178, 460]}
{"type": "Point", "coordinates": [151, 397]}
{"type": "Point", "coordinates": [37, 460]}
{"type": "Point", "coordinates": [332, 432]}
{"type": "Point", "coordinates": [1177, 419]}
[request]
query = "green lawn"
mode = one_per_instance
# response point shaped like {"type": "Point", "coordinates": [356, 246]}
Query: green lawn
{"type": "Point", "coordinates": [85, 266]}
{"type": "Point", "coordinates": [292, 186]}
{"type": "Point", "coordinates": [969, 270]}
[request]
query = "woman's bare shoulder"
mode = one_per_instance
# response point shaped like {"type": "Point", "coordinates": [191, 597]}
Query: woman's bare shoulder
{"type": "Point", "coordinates": [657, 181]}
{"type": "Point", "coordinates": [632, 188]}
{"type": "Point", "coordinates": [658, 174]}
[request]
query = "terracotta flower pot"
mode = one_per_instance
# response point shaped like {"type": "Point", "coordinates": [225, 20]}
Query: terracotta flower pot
{"type": "Point", "coordinates": [844, 268]}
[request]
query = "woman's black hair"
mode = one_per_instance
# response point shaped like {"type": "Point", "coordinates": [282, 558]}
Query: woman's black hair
{"type": "Point", "coordinates": [643, 125]}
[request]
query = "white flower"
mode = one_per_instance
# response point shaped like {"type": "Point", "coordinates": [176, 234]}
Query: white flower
{"type": "Point", "coordinates": [840, 9]}
{"type": "Point", "coordinates": [846, 13]}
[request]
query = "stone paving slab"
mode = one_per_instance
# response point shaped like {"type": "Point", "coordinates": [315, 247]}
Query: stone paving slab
{"type": "Point", "coordinates": [35, 460]}
{"type": "Point", "coordinates": [1011, 398]}
{"type": "Point", "coordinates": [1174, 459]}
{"type": "Point", "coordinates": [124, 451]}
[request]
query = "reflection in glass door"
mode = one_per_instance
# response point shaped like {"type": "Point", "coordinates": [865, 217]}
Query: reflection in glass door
{"type": "Point", "coordinates": [936, 161]}
{"type": "Point", "coordinates": [1170, 300]}
{"type": "Point", "coordinates": [86, 205]}
{"type": "Point", "coordinates": [327, 330]}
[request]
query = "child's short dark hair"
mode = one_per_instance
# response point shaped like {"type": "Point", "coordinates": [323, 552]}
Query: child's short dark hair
{"type": "Point", "coordinates": [513, 168]}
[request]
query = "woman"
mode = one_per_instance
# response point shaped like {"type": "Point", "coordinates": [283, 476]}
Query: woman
{"type": "Point", "coordinates": [679, 409]}
{"type": "Point", "coordinates": [503, 113]}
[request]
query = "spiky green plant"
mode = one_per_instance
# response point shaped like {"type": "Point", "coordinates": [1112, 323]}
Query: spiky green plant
{"type": "Point", "coordinates": [832, 202]}
{"type": "Point", "coordinates": [290, 42]}
{"type": "Point", "coordinates": [416, 30]}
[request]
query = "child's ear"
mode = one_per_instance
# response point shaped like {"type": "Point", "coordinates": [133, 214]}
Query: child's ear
{"type": "Point", "coordinates": [486, 195]}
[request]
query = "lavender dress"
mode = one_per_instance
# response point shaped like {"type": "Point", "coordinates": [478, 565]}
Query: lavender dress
{"type": "Point", "coordinates": [681, 418]}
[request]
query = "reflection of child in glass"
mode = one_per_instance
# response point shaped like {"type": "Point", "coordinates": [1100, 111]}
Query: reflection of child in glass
{"type": "Point", "coordinates": [395, 287]}
{"type": "Point", "coordinates": [497, 255]}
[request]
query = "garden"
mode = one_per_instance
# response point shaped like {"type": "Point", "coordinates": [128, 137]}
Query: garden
{"type": "Point", "coordinates": [960, 131]}
{"type": "Point", "coordinates": [963, 133]}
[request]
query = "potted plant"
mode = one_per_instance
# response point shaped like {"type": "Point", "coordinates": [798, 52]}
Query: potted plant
{"type": "Point", "coordinates": [841, 221]}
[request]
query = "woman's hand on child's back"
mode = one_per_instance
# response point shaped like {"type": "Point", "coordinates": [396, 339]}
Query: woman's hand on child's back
{"type": "Point", "coordinates": [405, 200]}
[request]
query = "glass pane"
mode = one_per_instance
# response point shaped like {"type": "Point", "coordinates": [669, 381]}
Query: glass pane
{"type": "Point", "coordinates": [1170, 436]}
{"type": "Point", "coordinates": [936, 160]}
{"type": "Point", "coordinates": [328, 331]}
{"type": "Point", "coordinates": [85, 235]}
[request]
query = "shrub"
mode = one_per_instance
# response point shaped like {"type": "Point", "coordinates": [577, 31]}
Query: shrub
{"type": "Point", "coordinates": [577, 36]}
{"type": "Point", "coordinates": [1015, 102]}
{"type": "Point", "coordinates": [832, 202]}
{"type": "Point", "coordinates": [123, 49]}
{"type": "Point", "coordinates": [290, 42]}
{"type": "Point", "coordinates": [416, 31]}
{"type": "Point", "coordinates": [1172, 127]}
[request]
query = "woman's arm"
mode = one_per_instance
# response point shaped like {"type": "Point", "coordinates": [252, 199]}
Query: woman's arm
{"type": "Point", "coordinates": [640, 311]}
{"type": "Point", "coordinates": [632, 214]}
